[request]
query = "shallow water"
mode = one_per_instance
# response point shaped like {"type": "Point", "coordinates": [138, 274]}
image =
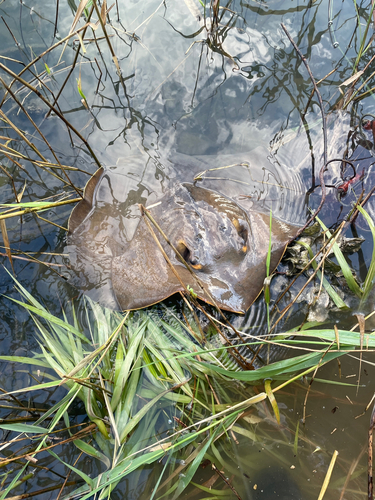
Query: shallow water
{"type": "Point", "coordinates": [182, 106]}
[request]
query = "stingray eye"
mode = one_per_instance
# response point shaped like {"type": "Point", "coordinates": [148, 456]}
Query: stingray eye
{"type": "Point", "coordinates": [183, 251]}
{"type": "Point", "coordinates": [242, 233]}
{"type": "Point", "coordinates": [187, 255]}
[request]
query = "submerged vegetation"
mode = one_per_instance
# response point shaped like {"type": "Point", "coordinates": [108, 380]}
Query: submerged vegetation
{"type": "Point", "coordinates": [174, 385]}
{"type": "Point", "coordinates": [154, 393]}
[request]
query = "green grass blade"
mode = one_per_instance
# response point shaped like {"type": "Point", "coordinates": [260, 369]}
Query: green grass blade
{"type": "Point", "coordinates": [93, 452]}
{"type": "Point", "coordinates": [367, 285]}
{"type": "Point", "coordinates": [50, 318]}
{"type": "Point", "coordinates": [352, 284]}
{"type": "Point", "coordinates": [138, 416]}
{"type": "Point", "coordinates": [25, 360]}
{"type": "Point", "coordinates": [130, 358]}
{"type": "Point", "coordinates": [80, 473]}
{"type": "Point", "coordinates": [284, 367]}
{"type": "Point", "coordinates": [30, 429]}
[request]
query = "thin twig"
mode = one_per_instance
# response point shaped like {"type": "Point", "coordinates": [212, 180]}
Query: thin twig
{"type": "Point", "coordinates": [56, 18]}
{"type": "Point", "coordinates": [23, 496]}
{"type": "Point", "coordinates": [225, 480]}
{"type": "Point", "coordinates": [321, 175]}
{"type": "Point", "coordinates": [32, 260]}
{"type": "Point", "coordinates": [363, 203]}
{"type": "Point", "coordinates": [10, 31]}
{"type": "Point", "coordinates": [313, 91]}
{"type": "Point", "coordinates": [84, 29]}
{"type": "Point", "coordinates": [80, 434]}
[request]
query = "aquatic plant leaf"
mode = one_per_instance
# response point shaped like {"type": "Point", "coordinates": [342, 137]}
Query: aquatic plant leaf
{"type": "Point", "coordinates": [81, 474]}
{"type": "Point", "coordinates": [185, 479]}
{"type": "Point", "coordinates": [278, 368]}
{"type": "Point", "coordinates": [334, 382]}
{"type": "Point", "coordinates": [352, 284]}
{"type": "Point", "coordinates": [25, 360]}
{"type": "Point", "coordinates": [93, 452]}
{"type": "Point", "coordinates": [139, 415]}
{"type": "Point", "coordinates": [188, 476]}
{"type": "Point", "coordinates": [172, 366]}
{"type": "Point", "coordinates": [272, 399]}
{"type": "Point", "coordinates": [30, 429]}
{"type": "Point", "coordinates": [129, 400]}
{"type": "Point", "coordinates": [49, 317]}
{"type": "Point", "coordinates": [171, 396]}
{"type": "Point", "coordinates": [347, 338]}
{"type": "Point", "coordinates": [130, 358]}
{"type": "Point", "coordinates": [367, 285]}
{"type": "Point", "coordinates": [204, 241]}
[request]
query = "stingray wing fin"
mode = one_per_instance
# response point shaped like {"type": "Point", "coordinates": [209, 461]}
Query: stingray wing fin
{"type": "Point", "coordinates": [84, 207]}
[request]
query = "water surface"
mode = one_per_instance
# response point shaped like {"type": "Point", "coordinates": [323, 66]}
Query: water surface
{"type": "Point", "coordinates": [189, 98]}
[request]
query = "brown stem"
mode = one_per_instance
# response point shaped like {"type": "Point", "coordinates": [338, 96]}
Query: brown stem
{"type": "Point", "coordinates": [303, 59]}
{"type": "Point", "coordinates": [10, 31]}
{"type": "Point", "coordinates": [225, 480]}
{"type": "Point", "coordinates": [80, 434]}
{"type": "Point", "coordinates": [56, 18]}
{"type": "Point", "coordinates": [24, 496]}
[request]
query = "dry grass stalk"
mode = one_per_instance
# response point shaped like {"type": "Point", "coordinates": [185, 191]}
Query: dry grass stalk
{"type": "Point", "coordinates": [36, 209]}
{"type": "Point", "coordinates": [4, 232]}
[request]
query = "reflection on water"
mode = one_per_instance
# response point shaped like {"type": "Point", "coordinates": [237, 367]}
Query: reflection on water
{"type": "Point", "coordinates": [188, 101]}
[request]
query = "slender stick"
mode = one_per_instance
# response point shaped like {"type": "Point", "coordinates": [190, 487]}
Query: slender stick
{"type": "Point", "coordinates": [219, 473]}
{"type": "Point", "coordinates": [24, 496]}
{"type": "Point", "coordinates": [80, 434]}
{"type": "Point", "coordinates": [56, 18]}
{"type": "Point", "coordinates": [321, 175]}
{"type": "Point", "coordinates": [10, 31]}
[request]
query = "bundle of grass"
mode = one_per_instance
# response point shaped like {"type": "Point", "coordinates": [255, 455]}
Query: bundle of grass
{"type": "Point", "coordinates": [153, 390]}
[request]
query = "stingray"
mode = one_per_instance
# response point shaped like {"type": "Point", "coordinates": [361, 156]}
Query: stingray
{"type": "Point", "coordinates": [221, 247]}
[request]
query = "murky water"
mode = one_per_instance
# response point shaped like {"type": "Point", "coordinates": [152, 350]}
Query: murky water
{"type": "Point", "coordinates": [187, 98]}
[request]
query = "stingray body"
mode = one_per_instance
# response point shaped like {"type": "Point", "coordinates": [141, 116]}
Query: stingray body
{"type": "Point", "coordinates": [221, 247]}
